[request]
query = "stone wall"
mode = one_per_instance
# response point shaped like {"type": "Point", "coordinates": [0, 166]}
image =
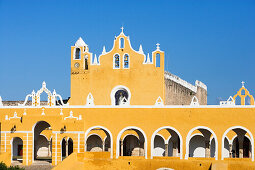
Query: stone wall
{"type": "Point", "coordinates": [180, 92]}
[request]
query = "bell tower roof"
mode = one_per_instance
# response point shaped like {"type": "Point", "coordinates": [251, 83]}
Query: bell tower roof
{"type": "Point", "coordinates": [80, 43]}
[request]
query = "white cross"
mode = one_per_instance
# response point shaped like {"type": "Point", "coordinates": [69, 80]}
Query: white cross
{"type": "Point", "coordinates": [122, 28]}
{"type": "Point", "coordinates": [157, 46]}
{"type": "Point", "coordinates": [43, 111]}
{"type": "Point", "coordinates": [242, 83]}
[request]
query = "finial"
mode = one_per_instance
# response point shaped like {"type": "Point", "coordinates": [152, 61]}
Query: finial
{"type": "Point", "coordinates": [95, 60]}
{"type": "Point", "coordinates": [141, 49]}
{"type": "Point", "coordinates": [104, 51]}
{"type": "Point", "coordinates": [122, 28]}
{"type": "Point", "coordinates": [242, 83]}
{"type": "Point", "coordinates": [44, 84]}
{"type": "Point", "coordinates": [158, 48]}
{"type": "Point", "coordinates": [148, 59]}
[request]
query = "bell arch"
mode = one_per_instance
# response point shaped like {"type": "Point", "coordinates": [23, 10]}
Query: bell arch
{"type": "Point", "coordinates": [120, 95]}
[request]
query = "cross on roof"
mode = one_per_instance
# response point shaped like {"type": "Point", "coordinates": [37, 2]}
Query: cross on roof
{"type": "Point", "coordinates": [122, 28]}
{"type": "Point", "coordinates": [157, 46]}
{"type": "Point", "coordinates": [242, 83]}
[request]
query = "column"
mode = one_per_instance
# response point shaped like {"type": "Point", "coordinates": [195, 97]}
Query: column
{"type": "Point", "coordinates": [207, 149]}
{"type": "Point", "coordinates": [49, 148]}
{"type": "Point", "coordinates": [103, 146]}
{"type": "Point", "coordinates": [66, 148]}
{"type": "Point", "coordinates": [175, 150]}
{"type": "Point", "coordinates": [230, 150]}
{"type": "Point", "coordinates": [240, 148]}
{"type": "Point", "coordinates": [121, 148]}
{"type": "Point", "coordinates": [166, 149]}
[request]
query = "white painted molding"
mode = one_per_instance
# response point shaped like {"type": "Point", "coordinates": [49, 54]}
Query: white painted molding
{"type": "Point", "coordinates": [15, 116]}
{"type": "Point", "coordinates": [159, 102]}
{"type": "Point", "coordinates": [140, 50]}
{"type": "Point", "coordinates": [229, 102]}
{"type": "Point", "coordinates": [80, 43]}
{"type": "Point", "coordinates": [194, 101]}
{"type": "Point", "coordinates": [71, 116]}
{"type": "Point", "coordinates": [104, 51]}
{"type": "Point", "coordinates": [90, 100]}
{"type": "Point", "coordinates": [95, 62]}
{"type": "Point", "coordinates": [1, 101]}
{"type": "Point", "coordinates": [148, 59]}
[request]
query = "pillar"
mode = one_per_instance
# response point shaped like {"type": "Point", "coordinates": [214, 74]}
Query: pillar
{"type": "Point", "coordinates": [230, 150]}
{"type": "Point", "coordinates": [207, 149]}
{"type": "Point", "coordinates": [166, 149]}
{"type": "Point", "coordinates": [121, 148]}
{"type": "Point", "coordinates": [66, 148]}
{"type": "Point", "coordinates": [49, 149]}
{"type": "Point", "coordinates": [103, 146]}
{"type": "Point", "coordinates": [240, 148]}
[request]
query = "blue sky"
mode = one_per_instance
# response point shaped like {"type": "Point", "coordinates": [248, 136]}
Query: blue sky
{"type": "Point", "coordinates": [210, 41]}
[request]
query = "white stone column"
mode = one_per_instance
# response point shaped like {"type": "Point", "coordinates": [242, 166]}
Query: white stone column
{"type": "Point", "coordinates": [207, 149]}
{"type": "Point", "coordinates": [66, 148]}
{"type": "Point", "coordinates": [230, 150]}
{"type": "Point", "coordinates": [103, 146]}
{"type": "Point", "coordinates": [166, 149]}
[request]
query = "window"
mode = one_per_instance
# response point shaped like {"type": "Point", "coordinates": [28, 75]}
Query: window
{"type": "Point", "coordinates": [157, 60]}
{"type": "Point", "coordinates": [126, 61]}
{"type": "Point", "coordinates": [77, 53]}
{"type": "Point", "coordinates": [121, 42]}
{"type": "Point", "coordinates": [116, 61]}
{"type": "Point", "coordinates": [86, 64]}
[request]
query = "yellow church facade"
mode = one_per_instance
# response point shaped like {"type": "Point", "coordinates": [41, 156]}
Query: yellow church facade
{"type": "Point", "coordinates": [118, 112]}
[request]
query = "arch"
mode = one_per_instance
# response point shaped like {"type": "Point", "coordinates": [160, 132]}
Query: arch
{"type": "Point", "coordinates": [157, 60]}
{"type": "Point", "coordinates": [159, 146]}
{"type": "Point", "coordinates": [103, 128]}
{"type": "Point", "coordinates": [117, 88]}
{"type": "Point", "coordinates": [130, 135]}
{"type": "Point", "coordinates": [122, 42]}
{"type": "Point", "coordinates": [131, 146]}
{"type": "Point", "coordinates": [247, 131]}
{"type": "Point", "coordinates": [77, 53]}
{"type": "Point", "coordinates": [171, 128]}
{"type": "Point", "coordinates": [70, 146]}
{"type": "Point", "coordinates": [198, 147]}
{"type": "Point", "coordinates": [126, 62]}
{"type": "Point", "coordinates": [17, 149]}
{"type": "Point", "coordinates": [119, 136]}
{"type": "Point", "coordinates": [63, 149]}
{"type": "Point", "coordinates": [188, 140]}
{"type": "Point", "coordinates": [116, 61]}
{"type": "Point", "coordinates": [37, 133]}
{"type": "Point", "coordinates": [86, 63]}
{"type": "Point", "coordinates": [94, 143]}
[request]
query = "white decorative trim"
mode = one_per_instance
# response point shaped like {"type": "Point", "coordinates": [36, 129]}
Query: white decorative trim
{"type": "Point", "coordinates": [115, 89]}
{"type": "Point", "coordinates": [71, 116]}
{"type": "Point", "coordinates": [194, 101]}
{"type": "Point", "coordinates": [171, 128]}
{"type": "Point", "coordinates": [159, 102]}
{"type": "Point", "coordinates": [1, 102]}
{"type": "Point", "coordinates": [200, 84]}
{"type": "Point", "coordinates": [148, 59]}
{"type": "Point", "coordinates": [188, 140]}
{"type": "Point", "coordinates": [90, 100]}
{"type": "Point", "coordinates": [140, 50]}
{"type": "Point", "coordinates": [43, 112]}
{"type": "Point", "coordinates": [165, 140]}
{"type": "Point", "coordinates": [104, 51]}
{"type": "Point", "coordinates": [15, 116]}
{"type": "Point", "coordinates": [229, 102]}
{"type": "Point", "coordinates": [80, 43]}
{"type": "Point", "coordinates": [95, 62]}
{"type": "Point", "coordinates": [119, 136]}
{"type": "Point", "coordinates": [243, 128]}
{"type": "Point", "coordinates": [103, 128]}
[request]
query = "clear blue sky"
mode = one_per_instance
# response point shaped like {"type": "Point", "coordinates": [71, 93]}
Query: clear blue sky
{"type": "Point", "coordinates": [210, 41]}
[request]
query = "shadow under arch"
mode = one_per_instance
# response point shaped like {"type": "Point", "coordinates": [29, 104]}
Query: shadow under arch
{"type": "Point", "coordinates": [247, 131]}
{"type": "Point", "coordinates": [189, 137]}
{"type": "Point", "coordinates": [103, 128]}
{"type": "Point", "coordinates": [171, 128]}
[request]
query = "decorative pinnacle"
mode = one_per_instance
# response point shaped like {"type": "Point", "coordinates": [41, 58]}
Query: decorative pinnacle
{"type": "Point", "coordinates": [158, 48]}
{"type": "Point", "coordinates": [242, 83]}
{"type": "Point", "coordinates": [122, 28]}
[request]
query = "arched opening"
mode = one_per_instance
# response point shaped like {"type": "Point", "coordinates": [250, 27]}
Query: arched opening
{"type": "Point", "coordinates": [77, 53]}
{"type": "Point", "coordinates": [63, 148]}
{"type": "Point", "coordinates": [116, 63]}
{"type": "Point", "coordinates": [170, 143]}
{"type": "Point", "coordinates": [157, 60]}
{"type": "Point", "coordinates": [238, 100]}
{"type": "Point", "coordinates": [121, 42]}
{"type": "Point", "coordinates": [70, 146]}
{"type": "Point", "coordinates": [98, 139]}
{"type": "Point", "coordinates": [159, 146]}
{"type": "Point", "coordinates": [226, 148]}
{"type": "Point", "coordinates": [17, 149]}
{"type": "Point", "coordinates": [247, 100]}
{"type": "Point", "coordinates": [86, 65]}
{"type": "Point", "coordinates": [121, 97]}
{"type": "Point", "coordinates": [200, 145]}
{"type": "Point", "coordinates": [94, 143]}
{"type": "Point", "coordinates": [42, 144]}
{"type": "Point", "coordinates": [126, 61]}
{"type": "Point", "coordinates": [132, 144]}
{"type": "Point", "coordinates": [241, 145]}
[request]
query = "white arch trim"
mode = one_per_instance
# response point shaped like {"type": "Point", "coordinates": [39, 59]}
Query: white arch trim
{"type": "Point", "coordinates": [188, 140]}
{"type": "Point", "coordinates": [104, 128]}
{"type": "Point", "coordinates": [119, 136]}
{"type": "Point", "coordinates": [166, 141]}
{"type": "Point", "coordinates": [236, 136]}
{"type": "Point", "coordinates": [166, 127]}
{"type": "Point", "coordinates": [243, 128]}
{"type": "Point", "coordinates": [115, 89]}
